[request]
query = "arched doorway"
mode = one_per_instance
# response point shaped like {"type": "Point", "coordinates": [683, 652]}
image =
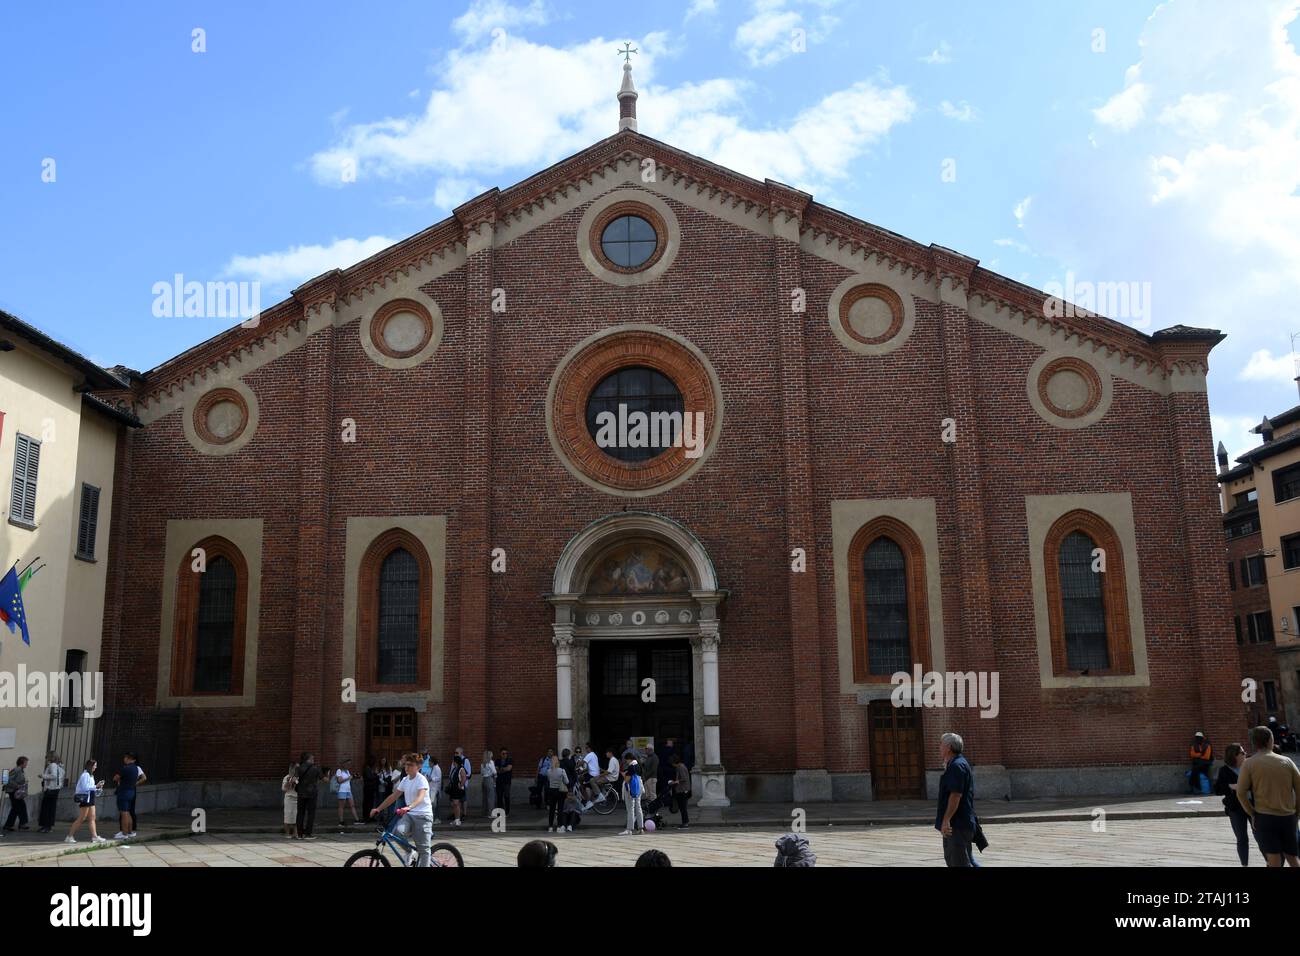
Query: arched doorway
{"type": "Point", "coordinates": [637, 639]}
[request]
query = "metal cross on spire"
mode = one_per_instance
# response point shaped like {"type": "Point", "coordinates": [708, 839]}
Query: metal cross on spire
{"type": "Point", "coordinates": [627, 51]}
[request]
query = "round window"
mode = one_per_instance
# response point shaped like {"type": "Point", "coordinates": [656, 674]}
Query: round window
{"type": "Point", "coordinates": [630, 413]}
{"type": "Point", "coordinates": [629, 242]}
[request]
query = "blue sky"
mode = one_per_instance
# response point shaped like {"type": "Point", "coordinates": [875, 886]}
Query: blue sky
{"type": "Point", "coordinates": [1164, 149]}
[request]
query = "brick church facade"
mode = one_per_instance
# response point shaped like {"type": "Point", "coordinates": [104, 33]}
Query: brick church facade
{"type": "Point", "coordinates": [409, 532]}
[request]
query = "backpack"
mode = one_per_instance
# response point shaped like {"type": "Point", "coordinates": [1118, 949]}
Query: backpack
{"type": "Point", "coordinates": [334, 782]}
{"type": "Point", "coordinates": [634, 784]}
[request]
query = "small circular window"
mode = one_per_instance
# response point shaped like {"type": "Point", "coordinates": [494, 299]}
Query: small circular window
{"type": "Point", "coordinates": [626, 413]}
{"type": "Point", "coordinates": [628, 237]}
{"type": "Point", "coordinates": [629, 242]}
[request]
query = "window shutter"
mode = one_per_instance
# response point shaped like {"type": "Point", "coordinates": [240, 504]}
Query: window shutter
{"type": "Point", "coordinates": [27, 459]}
{"type": "Point", "coordinates": [33, 464]}
{"type": "Point", "coordinates": [88, 521]}
{"type": "Point", "coordinates": [20, 477]}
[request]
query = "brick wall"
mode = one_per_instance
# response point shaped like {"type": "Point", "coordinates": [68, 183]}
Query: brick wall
{"type": "Point", "coordinates": [464, 435]}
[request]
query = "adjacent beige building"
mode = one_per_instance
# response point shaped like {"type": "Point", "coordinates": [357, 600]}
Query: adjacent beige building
{"type": "Point", "coordinates": [1261, 497]}
{"type": "Point", "coordinates": [58, 449]}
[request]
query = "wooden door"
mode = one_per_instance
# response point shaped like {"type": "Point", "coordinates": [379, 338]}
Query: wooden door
{"type": "Point", "coordinates": [390, 734]}
{"type": "Point", "coordinates": [897, 762]}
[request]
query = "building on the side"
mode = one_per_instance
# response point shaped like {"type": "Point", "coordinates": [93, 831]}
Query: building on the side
{"type": "Point", "coordinates": [58, 456]}
{"type": "Point", "coordinates": [1261, 505]}
{"type": "Point", "coordinates": [426, 514]}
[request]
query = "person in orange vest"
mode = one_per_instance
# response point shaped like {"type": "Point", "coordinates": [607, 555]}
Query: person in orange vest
{"type": "Point", "coordinates": [1202, 756]}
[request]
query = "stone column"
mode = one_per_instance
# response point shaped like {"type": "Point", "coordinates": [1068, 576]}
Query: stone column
{"type": "Point", "coordinates": [563, 641]}
{"type": "Point", "coordinates": [711, 776]}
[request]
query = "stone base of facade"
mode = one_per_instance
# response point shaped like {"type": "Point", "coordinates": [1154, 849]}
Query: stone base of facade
{"type": "Point", "coordinates": [715, 787]}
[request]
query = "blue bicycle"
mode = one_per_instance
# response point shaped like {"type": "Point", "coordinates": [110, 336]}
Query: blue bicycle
{"type": "Point", "coordinates": [440, 854]}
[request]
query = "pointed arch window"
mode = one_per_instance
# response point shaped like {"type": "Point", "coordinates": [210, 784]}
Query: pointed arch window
{"type": "Point", "coordinates": [889, 600]}
{"type": "Point", "coordinates": [211, 620]}
{"type": "Point", "coordinates": [1087, 597]}
{"type": "Point", "coordinates": [394, 618]}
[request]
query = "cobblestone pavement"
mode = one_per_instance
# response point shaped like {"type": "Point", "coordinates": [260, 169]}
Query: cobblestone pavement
{"type": "Point", "coordinates": [1203, 841]}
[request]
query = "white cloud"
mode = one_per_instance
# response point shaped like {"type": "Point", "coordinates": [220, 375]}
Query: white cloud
{"type": "Point", "coordinates": [1235, 433]}
{"type": "Point", "coordinates": [701, 8]}
{"type": "Point", "coordinates": [1264, 366]}
{"type": "Point", "coordinates": [297, 264]}
{"type": "Point", "coordinates": [1021, 210]}
{"type": "Point", "coordinates": [940, 54]}
{"type": "Point", "coordinates": [1125, 109]}
{"type": "Point", "coordinates": [1202, 199]}
{"type": "Point", "coordinates": [451, 191]}
{"type": "Point", "coordinates": [963, 114]}
{"type": "Point", "coordinates": [1196, 113]}
{"type": "Point", "coordinates": [517, 105]}
{"type": "Point", "coordinates": [775, 31]}
{"type": "Point", "coordinates": [484, 16]}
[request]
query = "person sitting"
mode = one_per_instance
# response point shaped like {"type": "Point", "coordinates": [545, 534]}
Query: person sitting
{"type": "Point", "coordinates": [1202, 757]}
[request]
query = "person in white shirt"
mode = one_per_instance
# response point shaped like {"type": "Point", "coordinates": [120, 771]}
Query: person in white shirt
{"type": "Point", "coordinates": [53, 780]}
{"type": "Point", "coordinates": [592, 763]}
{"type": "Point", "coordinates": [414, 788]}
{"type": "Point", "coordinates": [344, 776]}
{"type": "Point", "coordinates": [489, 785]}
{"type": "Point", "coordinates": [87, 789]}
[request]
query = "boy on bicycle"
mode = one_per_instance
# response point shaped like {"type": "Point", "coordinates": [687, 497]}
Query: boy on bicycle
{"type": "Point", "coordinates": [418, 810]}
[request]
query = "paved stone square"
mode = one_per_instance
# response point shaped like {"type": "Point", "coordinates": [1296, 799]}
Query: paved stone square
{"type": "Point", "coordinates": [1193, 841]}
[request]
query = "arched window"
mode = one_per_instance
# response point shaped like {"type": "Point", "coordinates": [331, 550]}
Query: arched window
{"type": "Point", "coordinates": [889, 601]}
{"type": "Point", "coordinates": [211, 608]}
{"type": "Point", "coordinates": [394, 630]}
{"type": "Point", "coordinates": [1087, 597]}
{"type": "Point", "coordinates": [398, 640]}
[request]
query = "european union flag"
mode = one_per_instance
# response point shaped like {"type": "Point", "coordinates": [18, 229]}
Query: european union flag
{"type": "Point", "coordinates": [11, 604]}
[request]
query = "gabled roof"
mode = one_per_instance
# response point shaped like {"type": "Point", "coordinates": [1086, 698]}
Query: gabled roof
{"type": "Point", "coordinates": [822, 228]}
{"type": "Point", "coordinates": [96, 377]}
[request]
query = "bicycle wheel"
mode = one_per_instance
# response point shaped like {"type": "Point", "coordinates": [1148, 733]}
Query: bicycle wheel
{"type": "Point", "coordinates": [444, 854]}
{"type": "Point", "coordinates": [367, 858]}
{"type": "Point", "coordinates": [609, 804]}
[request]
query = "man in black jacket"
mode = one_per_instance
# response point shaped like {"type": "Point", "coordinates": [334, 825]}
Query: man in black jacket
{"type": "Point", "coordinates": [308, 779]}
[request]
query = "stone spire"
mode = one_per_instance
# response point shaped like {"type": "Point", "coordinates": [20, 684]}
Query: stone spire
{"type": "Point", "coordinates": [1222, 455]}
{"type": "Point", "coordinates": [627, 92]}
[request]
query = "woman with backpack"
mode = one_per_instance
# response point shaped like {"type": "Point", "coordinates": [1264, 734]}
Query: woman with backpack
{"type": "Point", "coordinates": [289, 787]}
{"type": "Point", "coordinates": [456, 777]}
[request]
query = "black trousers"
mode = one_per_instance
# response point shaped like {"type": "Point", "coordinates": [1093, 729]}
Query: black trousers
{"type": "Point", "coordinates": [679, 802]}
{"type": "Point", "coordinates": [503, 791]}
{"type": "Point", "coordinates": [368, 801]}
{"type": "Point", "coordinates": [49, 808]}
{"type": "Point", "coordinates": [957, 848]}
{"type": "Point", "coordinates": [1241, 830]}
{"type": "Point", "coordinates": [554, 800]}
{"type": "Point", "coordinates": [306, 814]}
{"type": "Point", "coordinates": [17, 811]}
